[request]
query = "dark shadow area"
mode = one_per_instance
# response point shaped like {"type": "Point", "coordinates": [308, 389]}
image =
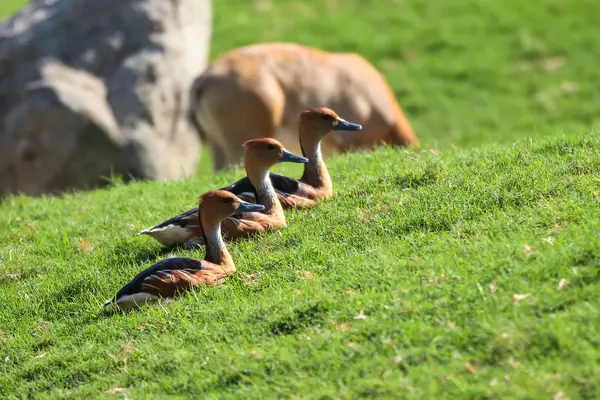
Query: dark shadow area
{"type": "Point", "coordinates": [416, 180]}
{"type": "Point", "coordinates": [301, 318]}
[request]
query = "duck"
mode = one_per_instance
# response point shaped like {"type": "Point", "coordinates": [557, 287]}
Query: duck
{"type": "Point", "coordinates": [172, 276]}
{"type": "Point", "coordinates": [259, 156]}
{"type": "Point", "coordinates": [315, 183]}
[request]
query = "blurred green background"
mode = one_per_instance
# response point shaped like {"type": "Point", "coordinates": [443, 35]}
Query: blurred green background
{"type": "Point", "coordinates": [465, 72]}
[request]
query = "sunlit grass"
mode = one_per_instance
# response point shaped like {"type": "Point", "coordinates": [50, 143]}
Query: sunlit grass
{"type": "Point", "coordinates": [450, 272]}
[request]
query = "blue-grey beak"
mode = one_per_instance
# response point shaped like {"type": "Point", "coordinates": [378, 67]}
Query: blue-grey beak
{"type": "Point", "coordinates": [344, 125]}
{"type": "Point", "coordinates": [249, 207]}
{"type": "Point", "coordinates": [291, 157]}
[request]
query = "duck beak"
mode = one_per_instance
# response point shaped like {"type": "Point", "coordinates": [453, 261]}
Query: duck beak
{"type": "Point", "coordinates": [343, 125]}
{"type": "Point", "coordinates": [291, 157]}
{"type": "Point", "coordinates": [249, 207]}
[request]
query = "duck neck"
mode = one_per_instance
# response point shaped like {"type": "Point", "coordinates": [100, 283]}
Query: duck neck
{"type": "Point", "coordinates": [265, 193]}
{"type": "Point", "coordinates": [216, 251]}
{"type": "Point", "coordinates": [315, 171]}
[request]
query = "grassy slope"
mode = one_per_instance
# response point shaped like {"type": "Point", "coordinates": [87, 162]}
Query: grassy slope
{"type": "Point", "coordinates": [430, 246]}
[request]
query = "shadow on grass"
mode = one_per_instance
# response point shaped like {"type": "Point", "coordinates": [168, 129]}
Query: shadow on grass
{"type": "Point", "coordinates": [124, 252]}
{"type": "Point", "coordinates": [298, 319]}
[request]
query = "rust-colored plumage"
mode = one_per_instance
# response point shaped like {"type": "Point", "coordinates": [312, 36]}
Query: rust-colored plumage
{"type": "Point", "coordinates": [260, 156]}
{"type": "Point", "coordinates": [172, 276]}
{"type": "Point", "coordinates": [269, 84]}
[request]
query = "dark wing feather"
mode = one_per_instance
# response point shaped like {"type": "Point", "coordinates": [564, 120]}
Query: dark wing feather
{"type": "Point", "coordinates": [182, 220]}
{"type": "Point", "coordinates": [164, 266]}
{"type": "Point", "coordinates": [241, 186]}
{"type": "Point", "coordinates": [281, 183]}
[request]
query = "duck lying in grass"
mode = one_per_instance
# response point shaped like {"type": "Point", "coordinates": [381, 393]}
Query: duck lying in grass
{"type": "Point", "coordinates": [169, 277]}
{"type": "Point", "coordinates": [259, 156]}
{"type": "Point", "coordinates": [315, 183]}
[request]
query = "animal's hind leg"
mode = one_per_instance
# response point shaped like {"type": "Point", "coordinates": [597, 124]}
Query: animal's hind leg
{"type": "Point", "coordinates": [234, 152]}
{"type": "Point", "coordinates": [219, 160]}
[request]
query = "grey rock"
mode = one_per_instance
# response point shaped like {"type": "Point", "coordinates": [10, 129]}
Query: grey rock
{"type": "Point", "coordinates": [94, 88]}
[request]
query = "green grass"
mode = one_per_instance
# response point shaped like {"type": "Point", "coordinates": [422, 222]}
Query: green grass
{"type": "Point", "coordinates": [430, 246]}
{"type": "Point", "coordinates": [476, 265]}
{"type": "Point", "coordinates": [9, 7]}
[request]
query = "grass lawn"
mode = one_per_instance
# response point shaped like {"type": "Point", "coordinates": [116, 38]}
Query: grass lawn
{"type": "Point", "coordinates": [467, 269]}
{"type": "Point", "coordinates": [8, 7]}
{"type": "Point", "coordinates": [451, 273]}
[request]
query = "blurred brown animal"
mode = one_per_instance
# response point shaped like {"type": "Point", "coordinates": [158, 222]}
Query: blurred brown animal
{"type": "Point", "coordinates": [260, 90]}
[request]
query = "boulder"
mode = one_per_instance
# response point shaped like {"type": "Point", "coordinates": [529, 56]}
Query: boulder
{"type": "Point", "coordinates": [91, 89]}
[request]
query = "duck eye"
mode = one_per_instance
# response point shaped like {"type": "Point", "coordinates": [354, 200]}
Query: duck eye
{"type": "Point", "coordinates": [328, 117]}
{"type": "Point", "coordinates": [271, 147]}
{"type": "Point", "coordinates": [228, 200]}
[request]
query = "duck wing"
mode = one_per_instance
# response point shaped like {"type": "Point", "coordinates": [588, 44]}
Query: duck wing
{"type": "Point", "coordinates": [182, 228]}
{"type": "Point", "coordinates": [248, 224]}
{"type": "Point", "coordinates": [185, 227]}
{"type": "Point", "coordinates": [281, 183]}
{"type": "Point", "coordinates": [291, 192]}
{"type": "Point", "coordinates": [166, 278]}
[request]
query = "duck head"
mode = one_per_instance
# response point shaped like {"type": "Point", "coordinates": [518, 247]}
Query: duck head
{"type": "Point", "coordinates": [321, 120]}
{"type": "Point", "coordinates": [262, 154]}
{"type": "Point", "coordinates": [217, 205]}
{"type": "Point", "coordinates": [316, 123]}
